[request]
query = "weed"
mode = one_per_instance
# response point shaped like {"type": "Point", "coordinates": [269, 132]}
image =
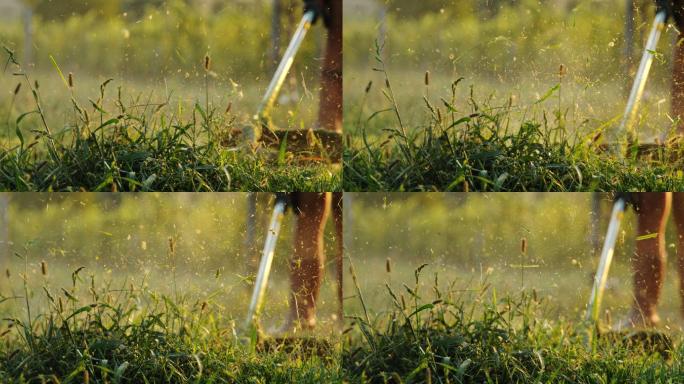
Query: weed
{"type": "Point", "coordinates": [148, 146]}
{"type": "Point", "coordinates": [90, 332]}
{"type": "Point", "coordinates": [478, 149]}
{"type": "Point", "coordinates": [476, 336]}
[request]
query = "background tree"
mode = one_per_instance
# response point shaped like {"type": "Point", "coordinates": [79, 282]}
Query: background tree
{"type": "Point", "coordinates": [63, 9]}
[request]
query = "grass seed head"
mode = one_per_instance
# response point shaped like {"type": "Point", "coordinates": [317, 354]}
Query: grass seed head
{"type": "Point", "coordinates": [71, 80]}
{"type": "Point", "coordinates": [523, 245]}
{"type": "Point", "coordinates": [427, 78]}
{"type": "Point", "coordinates": [43, 268]}
{"type": "Point", "coordinates": [17, 88]}
{"type": "Point", "coordinates": [352, 272]}
{"type": "Point", "coordinates": [7, 273]}
{"type": "Point", "coordinates": [368, 87]}
{"type": "Point", "coordinates": [207, 62]}
{"type": "Point", "coordinates": [388, 265]}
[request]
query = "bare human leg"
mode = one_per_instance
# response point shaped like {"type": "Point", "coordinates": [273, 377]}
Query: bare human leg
{"type": "Point", "coordinates": [648, 263]}
{"type": "Point", "coordinates": [306, 265]}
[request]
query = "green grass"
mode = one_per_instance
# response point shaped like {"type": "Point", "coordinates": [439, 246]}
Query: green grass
{"type": "Point", "coordinates": [89, 331]}
{"type": "Point", "coordinates": [479, 151]}
{"type": "Point", "coordinates": [484, 147]}
{"type": "Point", "coordinates": [480, 155]}
{"type": "Point", "coordinates": [109, 144]}
{"type": "Point", "coordinates": [461, 336]}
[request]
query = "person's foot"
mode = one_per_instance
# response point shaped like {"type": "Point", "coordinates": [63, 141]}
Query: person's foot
{"type": "Point", "coordinates": [637, 319]}
{"type": "Point", "coordinates": [294, 326]}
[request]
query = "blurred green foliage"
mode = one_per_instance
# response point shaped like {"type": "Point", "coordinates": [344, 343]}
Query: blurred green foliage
{"type": "Point", "coordinates": [63, 9]}
{"type": "Point", "coordinates": [473, 241]}
{"type": "Point", "coordinates": [503, 38]}
{"type": "Point", "coordinates": [131, 232]}
{"type": "Point", "coordinates": [153, 40]}
{"type": "Point", "coordinates": [181, 244]}
{"type": "Point", "coordinates": [418, 9]}
{"type": "Point", "coordinates": [467, 230]}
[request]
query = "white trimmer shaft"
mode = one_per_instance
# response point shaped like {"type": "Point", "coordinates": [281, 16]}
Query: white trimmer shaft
{"type": "Point", "coordinates": [640, 78]}
{"type": "Point", "coordinates": [285, 64]}
{"type": "Point", "coordinates": [593, 309]}
{"type": "Point", "coordinates": [265, 263]}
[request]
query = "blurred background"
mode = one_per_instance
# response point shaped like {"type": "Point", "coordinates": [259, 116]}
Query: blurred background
{"type": "Point", "coordinates": [507, 50]}
{"type": "Point", "coordinates": [472, 241]}
{"type": "Point", "coordinates": [154, 50]}
{"type": "Point", "coordinates": [198, 246]}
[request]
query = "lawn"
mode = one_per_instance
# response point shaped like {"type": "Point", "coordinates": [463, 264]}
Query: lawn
{"type": "Point", "coordinates": [471, 98]}
{"type": "Point", "coordinates": [90, 331]}
{"type": "Point", "coordinates": [157, 98]}
{"type": "Point", "coordinates": [479, 335]}
{"type": "Point", "coordinates": [119, 142]}
{"type": "Point", "coordinates": [468, 143]}
{"type": "Point", "coordinates": [150, 287]}
{"type": "Point", "coordinates": [493, 287]}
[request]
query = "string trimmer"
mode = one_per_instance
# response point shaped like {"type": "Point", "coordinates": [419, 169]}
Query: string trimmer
{"type": "Point", "coordinates": [260, 129]}
{"type": "Point", "coordinates": [266, 262]}
{"type": "Point", "coordinates": [648, 339]}
{"type": "Point", "coordinates": [664, 10]}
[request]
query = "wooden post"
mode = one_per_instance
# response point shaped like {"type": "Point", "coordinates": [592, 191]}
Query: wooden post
{"type": "Point", "coordinates": [276, 33]}
{"type": "Point", "coordinates": [347, 219]}
{"type": "Point", "coordinates": [629, 37]}
{"type": "Point", "coordinates": [382, 31]}
{"type": "Point", "coordinates": [28, 34]}
{"type": "Point", "coordinates": [595, 221]}
{"type": "Point", "coordinates": [290, 90]}
{"type": "Point", "coordinates": [4, 228]}
{"type": "Point", "coordinates": [251, 256]}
